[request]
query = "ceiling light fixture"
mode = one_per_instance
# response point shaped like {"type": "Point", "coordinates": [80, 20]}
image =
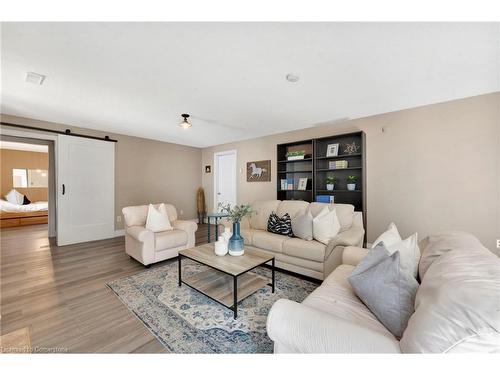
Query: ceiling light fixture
{"type": "Point", "coordinates": [34, 78]}
{"type": "Point", "coordinates": [185, 124]}
{"type": "Point", "coordinates": [292, 77]}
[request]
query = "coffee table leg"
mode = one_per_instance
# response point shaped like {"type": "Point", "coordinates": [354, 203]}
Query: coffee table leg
{"type": "Point", "coordinates": [273, 276]}
{"type": "Point", "coordinates": [180, 277]}
{"type": "Point", "coordinates": [235, 295]}
{"type": "Point", "coordinates": [208, 220]}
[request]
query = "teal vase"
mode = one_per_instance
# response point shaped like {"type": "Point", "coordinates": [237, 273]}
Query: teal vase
{"type": "Point", "coordinates": [236, 241]}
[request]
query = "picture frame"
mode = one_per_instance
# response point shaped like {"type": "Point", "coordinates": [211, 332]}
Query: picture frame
{"type": "Point", "coordinates": [208, 169]}
{"type": "Point", "coordinates": [332, 150]}
{"type": "Point", "coordinates": [302, 183]}
{"type": "Point", "coordinates": [259, 171]}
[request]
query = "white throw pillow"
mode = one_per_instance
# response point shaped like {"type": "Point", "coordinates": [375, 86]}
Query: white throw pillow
{"type": "Point", "coordinates": [389, 237]}
{"type": "Point", "coordinates": [157, 220]}
{"type": "Point", "coordinates": [14, 197]}
{"type": "Point", "coordinates": [409, 253]}
{"type": "Point", "coordinates": [326, 225]}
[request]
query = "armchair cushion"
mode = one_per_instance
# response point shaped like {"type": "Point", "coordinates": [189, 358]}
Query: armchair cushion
{"type": "Point", "coordinates": [170, 239]}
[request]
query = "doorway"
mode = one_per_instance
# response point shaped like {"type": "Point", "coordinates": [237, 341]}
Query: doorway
{"type": "Point", "coordinates": [224, 178]}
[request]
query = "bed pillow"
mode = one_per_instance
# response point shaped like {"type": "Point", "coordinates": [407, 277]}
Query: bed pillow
{"type": "Point", "coordinates": [14, 197]}
{"type": "Point", "coordinates": [326, 225]}
{"type": "Point", "coordinates": [157, 220]}
{"type": "Point", "coordinates": [280, 225]}
{"type": "Point", "coordinates": [385, 288]}
{"type": "Point", "coordinates": [26, 200]}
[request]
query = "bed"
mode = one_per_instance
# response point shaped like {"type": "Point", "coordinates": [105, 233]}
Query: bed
{"type": "Point", "coordinates": [15, 215]}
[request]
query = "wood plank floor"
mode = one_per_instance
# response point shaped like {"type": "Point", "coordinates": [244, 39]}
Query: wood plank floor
{"type": "Point", "coordinates": [60, 293]}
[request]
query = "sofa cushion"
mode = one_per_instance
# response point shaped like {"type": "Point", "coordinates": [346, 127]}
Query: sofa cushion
{"type": "Point", "coordinates": [269, 241]}
{"type": "Point", "coordinates": [302, 225]}
{"type": "Point", "coordinates": [297, 247]}
{"type": "Point", "coordinates": [389, 237]}
{"type": "Point", "coordinates": [170, 239]}
{"type": "Point", "coordinates": [432, 247]}
{"type": "Point", "coordinates": [280, 225]}
{"type": "Point", "coordinates": [291, 208]}
{"type": "Point", "coordinates": [247, 235]}
{"type": "Point", "coordinates": [262, 210]}
{"type": "Point", "coordinates": [157, 219]}
{"type": "Point", "coordinates": [386, 288]}
{"type": "Point", "coordinates": [457, 306]}
{"type": "Point", "coordinates": [345, 212]}
{"type": "Point", "coordinates": [325, 226]}
{"type": "Point", "coordinates": [336, 297]}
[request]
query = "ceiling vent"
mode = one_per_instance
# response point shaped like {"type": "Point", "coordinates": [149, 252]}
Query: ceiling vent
{"type": "Point", "coordinates": [35, 78]}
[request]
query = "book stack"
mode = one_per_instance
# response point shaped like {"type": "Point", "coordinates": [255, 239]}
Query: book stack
{"type": "Point", "coordinates": [325, 198]}
{"type": "Point", "coordinates": [338, 164]}
{"type": "Point", "coordinates": [287, 184]}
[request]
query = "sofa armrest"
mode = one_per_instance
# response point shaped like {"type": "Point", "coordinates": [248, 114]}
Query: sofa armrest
{"type": "Point", "coordinates": [140, 234]}
{"type": "Point", "coordinates": [185, 225]}
{"type": "Point", "coordinates": [352, 255]}
{"type": "Point", "coordinates": [302, 329]}
{"type": "Point", "coordinates": [351, 237]}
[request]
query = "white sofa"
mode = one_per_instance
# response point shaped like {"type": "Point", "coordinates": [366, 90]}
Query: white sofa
{"type": "Point", "coordinates": [457, 307]}
{"type": "Point", "coordinates": [309, 258]}
{"type": "Point", "coordinates": [148, 247]}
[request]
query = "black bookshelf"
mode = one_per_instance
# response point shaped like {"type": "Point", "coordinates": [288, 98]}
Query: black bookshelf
{"type": "Point", "coordinates": [316, 168]}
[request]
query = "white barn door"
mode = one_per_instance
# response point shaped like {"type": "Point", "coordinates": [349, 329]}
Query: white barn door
{"type": "Point", "coordinates": [86, 189]}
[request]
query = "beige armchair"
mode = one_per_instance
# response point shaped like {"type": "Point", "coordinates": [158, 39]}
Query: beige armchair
{"type": "Point", "coordinates": [148, 247]}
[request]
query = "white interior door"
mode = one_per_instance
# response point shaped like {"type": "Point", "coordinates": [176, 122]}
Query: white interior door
{"type": "Point", "coordinates": [85, 191]}
{"type": "Point", "coordinates": [225, 178]}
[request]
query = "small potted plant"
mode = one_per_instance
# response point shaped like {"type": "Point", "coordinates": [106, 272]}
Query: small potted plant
{"type": "Point", "coordinates": [351, 182]}
{"type": "Point", "coordinates": [295, 155]}
{"type": "Point", "coordinates": [330, 182]}
{"type": "Point", "coordinates": [235, 214]}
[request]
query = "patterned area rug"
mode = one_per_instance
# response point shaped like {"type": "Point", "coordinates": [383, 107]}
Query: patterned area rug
{"type": "Point", "coordinates": [186, 321]}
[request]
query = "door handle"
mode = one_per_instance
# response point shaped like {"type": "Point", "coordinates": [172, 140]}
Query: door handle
{"type": "Point", "coordinates": [218, 193]}
{"type": "Point", "coordinates": [63, 189]}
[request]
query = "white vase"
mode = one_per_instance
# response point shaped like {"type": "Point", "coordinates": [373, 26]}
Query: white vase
{"type": "Point", "coordinates": [351, 187]}
{"type": "Point", "coordinates": [330, 186]}
{"type": "Point", "coordinates": [221, 246]}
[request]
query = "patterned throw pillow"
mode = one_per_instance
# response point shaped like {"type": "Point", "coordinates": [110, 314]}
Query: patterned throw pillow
{"type": "Point", "coordinates": [280, 225]}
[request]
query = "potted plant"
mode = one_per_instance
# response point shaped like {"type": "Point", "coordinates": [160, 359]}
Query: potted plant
{"type": "Point", "coordinates": [351, 182]}
{"type": "Point", "coordinates": [330, 182]}
{"type": "Point", "coordinates": [295, 155]}
{"type": "Point", "coordinates": [235, 214]}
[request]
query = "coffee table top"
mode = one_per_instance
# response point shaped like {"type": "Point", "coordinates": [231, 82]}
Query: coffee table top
{"type": "Point", "coordinates": [231, 265]}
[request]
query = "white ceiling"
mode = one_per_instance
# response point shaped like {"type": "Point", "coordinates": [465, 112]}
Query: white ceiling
{"type": "Point", "coordinates": [137, 78]}
{"type": "Point", "coordinates": [6, 145]}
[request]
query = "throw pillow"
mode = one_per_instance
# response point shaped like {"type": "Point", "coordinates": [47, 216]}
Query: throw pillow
{"type": "Point", "coordinates": [389, 237]}
{"type": "Point", "coordinates": [280, 225]}
{"type": "Point", "coordinates": [302, 225]}
{"type": "Point", "coordinates": [14, 197]}
{"type": "Point", "coordinates": [326, 225]}
{"type": "Point", "coordinates": [157, 220]}
{"type": "Point", "coordinates": [409, 253]}
{"type": "Point", "coordinates": [26, 200]}
{"type": "Point", "coordinates": [385, 288]}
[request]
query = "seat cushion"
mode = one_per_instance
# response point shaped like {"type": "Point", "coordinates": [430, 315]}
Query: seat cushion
{"type": "Point", "coordinates": [345, 213]}
{"type": "Point", "coordinates": [311, 250]}
{"type": "Point", "coordinates": [291, 208]}
{"type": "Point", "coordinates": [170, 239]}
{"type": "Point", "coordinates": [262, 210]}
{"type": "Point", "coordinates": [336, 297]}
{"type": "Point", "coordinates": [269, 241]}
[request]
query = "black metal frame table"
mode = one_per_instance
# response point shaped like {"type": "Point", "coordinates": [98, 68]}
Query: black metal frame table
{"type": "Point", "coordinates": [216, 216]}
{"type": "Point", "coordinates": [233, 275]}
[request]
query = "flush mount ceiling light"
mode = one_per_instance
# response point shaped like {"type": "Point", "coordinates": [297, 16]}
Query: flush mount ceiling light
{"type": "Point", "coordinates": [292, 77]}
{"type": "Point", "coordinates": [185, 124]}
{"type": "Point", "coordinates": [34, 78]}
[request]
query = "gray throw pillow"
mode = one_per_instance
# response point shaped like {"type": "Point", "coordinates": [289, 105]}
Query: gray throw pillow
{"type": "Point", "coordinates": [385, 288]}
{"type": "Point", "coordinates": [302, 225]}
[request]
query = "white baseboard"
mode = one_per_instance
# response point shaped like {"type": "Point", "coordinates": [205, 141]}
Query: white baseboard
{"type": "Point", "coordinates": [119, 232]}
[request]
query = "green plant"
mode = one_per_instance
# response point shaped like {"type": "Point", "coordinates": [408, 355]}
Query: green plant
{"type": "Point", "coordinates": [295, 153]}
{"type": "Point", "coordinates": [331, 180]}
{"type": "Point", "coordinates": [351, 179]}
{"type": "Point", "coordinates": [236, 213]}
